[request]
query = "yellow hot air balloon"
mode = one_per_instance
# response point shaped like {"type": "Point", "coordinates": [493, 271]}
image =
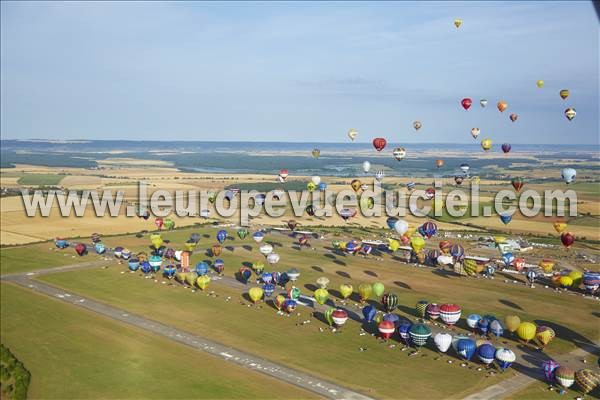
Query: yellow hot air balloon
{"type": "Point", "coordinates": [544, 335]}
{"type": "Point", "coordinates": [499, 239]}
{"type": "Point", "coordinates": [191, 278]}
{"type": "Point", "coordinates": [559, 227]}
{"type": "Point", "coordinates": [526, 331]}
{"type": "Point", "coordinates": [180, 277]}
{"type": "Point", "coordinates": [546, 265]}
{"type": "Point", "coordinates": [255, 294]}
{"type": "Point", "coordinates": [190, 246]}
{"type": "Point", "coordinates": [502, 105]}
{"type": "Point", "coordinates": [378, 317]}
{"type": "Point", "coordinates": [486, 144]}
{"type": "Point", "coordinates": [471, 267]}
{"type": "Point", "coordinates": [356, 184]}
{"type": "Point", "coordinates": [203, 281]}
{"type": "Point", "coordinates": [311, 186]}
{"type": "Point", "coordinates": [540, 83]}
{"type": "Point", "coordinates": [412, 228]}
{"type": "Point", "coordinates": [564, 94]}
{"type": "Point", "coordinates": [512, 323]}
{"type": "Point", "coordinates": [393, 244]}
{"type": "Point", "coordinates": [364, 291]}
{"type": "Point", "coordinates": [565, 281]}
{"type": "Point", "coordinates": [156, 240]}
{"type": "Point", "coordinates": [576, 277]}
{"type": "Point", "coordinates": [346, 290]}
{"type": "Point", "coordinates": [457, 23]}
{"type": "Point", "coordinates": [321, 295]}
{"type": "Point", "coordinates": [417, 243]}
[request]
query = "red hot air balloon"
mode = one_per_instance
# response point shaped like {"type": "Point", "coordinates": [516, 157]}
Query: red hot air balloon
{"type": "Point", "coordinates": [386, 329]}
{"type": "Point", "coordinates": [159, 223]}
{"type": "Point", "coordinates": [506, 147]}
{"type": "Point", "coordinates": [466, 103]}
{"type": "Point", "coordinates": [567, 239]}
{"type": "Point", "coordinates": [81, 249]}
{"type": "Point", "coordinates": [379, 143]}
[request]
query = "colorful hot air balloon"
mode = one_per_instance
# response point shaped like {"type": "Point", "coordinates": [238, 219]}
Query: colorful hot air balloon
{"type": "Point", "coordinates": [564, 376]}
{"type": "Point", "coordinates": [217, 249]}
{"type": "Point", "coordinates": [352, 134]}
{"type": "Point", "coordinates": [486, 144]}
{"type": "Point", "coordinates": [505, 218]}
{"type": "Point", "coordinates": [255, 294]}
{"type": "Point", "coordinates": [203, 281]}
{"type": "Point", "coordinates": [466, 103]}
{"type": "Point", "coordinates": [316, 153]}
{"type": "Point", "coordinates": [386, 329]}
{"type": "Point", "coordinates": [466, 348]}
{"type": "Point", "coordinates": [457, 251]}
{"type": "Point", "coordinates": [346, 290]}
{"type": "Point", "coordinates": [570, 113]}
{"type": "Point", "coordinates": [379, 175]}
{"type": "Point", "coordinates": [245, 273]}
{"type": "Point", "coordinates": [159, 223]}
{"type": "Point", "coordinates": [379, 143]}
{"type": "Point", "coordinates": [433, 311]}
{"type": "Point", "coordinates": [517, 183]}
{"type": "Point", "coordinates": [289, 305]}
{"type": "Point", "coordinates": [505, 357]}
{"type": "Point", "coordinates": [450, 313]}
{"type": "Point", "coordinates": [389, 301]}
{"type": "Point", "coordinates": [339, 317]}
{"type": "Point", "coordinates": [549, 366]}
{"type": "Point", "coordinates": [587, 380]}
{"type": "Point", "coordinates": [559, 227]}
{"type": "Point", "coordinates": [546, 265]}
{"type": "Point", "coordinates": [278, 301]}
{"type": "Point", "coordinates": [502, 105]}
{"type": "Point", "coordinates": [591, 281]}
{"type": "Point", "coordinates": [472, 320]}
{"type": "Point", "coordinates": [417, 125]}
{"type": "Point", "coordinates": [419, 334]}
{"type": "Point", "coordinates": [356, 185]}
{"type": "Point", "coordinates": [328, 314]}
{"type": "Point", "coordinates": [486, 353]}
{"type": "Point", "coordinates": [202, 268]}
{"type": "Point", "coordinates": [399, 153]}
{"type": "Point", "coordinates": [442, 341]}
{"type": "Point", "coordinates": [506, 147]}
{"type": "Point", "coordinates": [568, 175]}
{"type": "Point", "coordinates": [475, 132]}
{"type": "Point", "coordinates": [526, 331]}
{"type": "Point", "coordinates": [513, 118]}
{"type": "Point", "coordinates": [567, 239]}
{"type": "Point", "coordinates": [496, 328]}
{"type": "Point", "coordinates": [421, 308]}
{"type": "Point", "coordinates": [544, 335]}
{"type": "Point", "coordinates": [457, 23]}
{"type": "Point", "coordinates": [429, 229]}
{"type": "Point", "coordinates": [564, 94]}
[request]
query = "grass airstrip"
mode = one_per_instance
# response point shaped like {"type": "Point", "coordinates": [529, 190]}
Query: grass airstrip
{"type": "Point", "coordinates": [379, 370]}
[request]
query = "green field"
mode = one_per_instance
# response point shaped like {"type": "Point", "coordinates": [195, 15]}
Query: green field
{"type": "Point", "coordinates": [74, 353]}
{"type": "Point", "coordinates": [40, 179]}
{"type": "Point", "coordinates": [33, 257]}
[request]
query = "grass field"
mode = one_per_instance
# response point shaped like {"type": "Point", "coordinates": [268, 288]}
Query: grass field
{"type": "Point", "coordinates": [74, 353]}
{"type": "Point", "coordinates": [261, 331]}
{"type": "Point", "coordinates": [40, 179]}
{"type": "Point", "coordinates": [32, 257]}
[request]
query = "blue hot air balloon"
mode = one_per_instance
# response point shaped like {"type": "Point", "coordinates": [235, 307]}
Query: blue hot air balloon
{"type": "Point", "coordinates": [531, 275]}
{"type": "Point", "coordinates": [169, 271]}
{"type": "Point", "coordinates": [486, 353]}
{"type": "Point", "coordinates": [392, 318]}
{"type": "Point", "coordinates": [99, 247]}
{"type": "Point", "coordinates": [490, 270]}
{"type": "Point", "coordinates": [466, 348]}
{"type": "Point", "coordinates": [508, 259]}
{"type": "Point", "coordinates": [268, 289]}
{"type": "Point", "coordinates": [145, 267]}
{"type": "Point", "coordinates": [351, 247]}
{"type": "Point", "coordinates": [403, 330]}
{"type": "Point", "coordinates": [267, 277]}
{"type": "Point", "coordinates": [202, 268]}
{"type": "Point", "coordinates": [61, 243]}
{"type": "Point", "coordinates": [219, 265]}
{"type": "Point", "coordinates": [472, 320]}
{"type": "Point", "coordinates": [391, 222]}
{"type": "Point", "coordinates": [369, 313]}
{"type": "Point", "coordinates": [222, 236]}
{"type": "Point", "coordinates": [505, 218]}
{"type": "Point", "coordinates": [483, 325]}
{"type": "Point", "coordinates": [322, 186]}
{"type": "Point", "coordinates": [410, 185]}
{"type": "Point", "coordinates": [134, 264]}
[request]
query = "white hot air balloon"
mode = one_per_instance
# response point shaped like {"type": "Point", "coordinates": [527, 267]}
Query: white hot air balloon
{"type": "Point", "coordinates": [293, 274]}
{"type": "Point", "coordinates": [568, 175]}
{"type": "Point", "coordinates": [401, 226]}
{"type": "Point", "coordinates": [399, 153]}
{"type": "Point", "coordinates": [366, 166]}
{"type": "Point", "coordinates": [265, 249]}
{"type": "Point", "coordinates": [443, 341]}
{"type": "Point", "coordinates": [316, 180]}
{"type": "Point", "coordinates": [475, 132]}
{"type": "Point", "coordinates": [273, 258]}
{"type": "Point", "coordinates": [323, 282]}
{"type": "Point", "coordinates": [379, 175]}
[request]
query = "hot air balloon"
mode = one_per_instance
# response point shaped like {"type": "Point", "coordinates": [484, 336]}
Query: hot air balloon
{"type": "Point", "coordinates": [339, 317]}
{"type": "Point", "coordinates": [502, 105]}
{"type": "Point", "coordinates": [81, 249]}
{"type": "Point", "coordinates": [265, 249]}
{"type": "Point", "coordinates": [417, 125]}
{"type": "Point", "coordinates": [386, 329]}
{"type": "Point", "coordinates": [268, 289]}
{"type": "Point", "coordinates": [531, 275]}
{"type": "Point", "coordinates": [450, 313]}
{"type": "Point", "coordinates": [526, 331]}
{"type": "Point", "coordinates": [410, 186]}
{"type": "Point", "coordinates": [203, 281]}
{"type": "Point", "coordinates": [505, 357]}
{"type": "Point", "coordinates": [169, 271]}
{"type": "Point", "coordinates": [278, 301]}
{"type": "Point", "coordinates": [273, 258]}
{"type": "Point", "coordinates": [378, 289]}
{"type": "Point", "coordinates": [417, 243]}
{"type": "Point", "coordinates": [483, 325]}
{"type": "Point", "coordinates": [540, 83]}
{"type": "Point", "coordinates": [466, 348]}
{"type": "Point", "coordinates": [576, 277]}
{"type": "Point", "coordinates": [379, 175]}
{"type": "Point", "coordinates": [559, 227]}
{"type": "Point", "coordinates": [100, 248]}
{"type": "Point", "coordinates": [169, 223]}
{"type": "Point", "coordinates": [321, 295]}
{"type": "Point", "coordinates": [399, 153]}
{"type": "Point", "coordinates": [159, 223]}
{"type": "Point", "coordinates": [255, 294]}
{"type": "Point", "coordinates": [568, 175]}
{"type": "Point", "coordinates": [134, 264]}
{"type": "Point", "coordinates": [472, 320]}
{"type": "Point", "coordinates": [419, 334]}
{"type": "Point", "coordinates": [293, 274]}
{"type": "Point", "coordinates": [546, 265]}
{"type": "Point", "coordinates": [508, 259]}
{"type": "Point", "coordinates": [219, 266]}
{"type": "Point", "coordinates": [393, 318]}
{"type": "Point", "coordinates": [458, 179]}
{"type": "Point", "coordinates": [221, 236]}
{"type": "Point", "coordinates": [379, 143]}
{"type": "Point", "coordinates": [564, 94]}
{"type": "Point", "coordinates": [258, 267]}
{"type": "Point", "coordinates": [483, 102]}
{"type": "Point", "coordinates": [352, 134]}
{"type": "Point", "coordinates": [564, 376]}
{"type": "Point", "coordinates": [570, 113]}
{"type": "Point", "coordinates": [433, 311]}
{"type": "Point", "coordinates": [429, 229]}
{"type": "Point", "coordinates": [356, 184]}
{"type": "Point", "coordinates": [512, 323]}
{"type": "Point", "coordinates": [366, 166]}
{"type": "Point", "coordinates": [513, 118]}
{"type": "Point", "coordinates": [544, 335]}
{"type": "Point", "coordinates": [439, 163]}
{"type": "Point", "coordinates": [549, 366]}
{"type": "Point", "coordinates": [517, 183]}
{"type": "Point", "coordinates": [328, 314]}
{"type": "Point", "coordinates": [216, 250]}
{"type": "Point", "coordinates": [369, 313]}
{"type": "Point", "coordinates": [346, 290]}
{"type": "Point", "coordinates": [591, 281]}
{"type": "Point", "coordinates": [457, 251]}
{"type": "Point", "coordinates": [466, 103]}
{"type": "Point", "coordinates": [389, 301]}
{"type": "Point", "coordinates": [506, 147]}
{"type": "Point", "coordinates": [347, 213]}
{"type": "Point", "coordinates": [457, 23]}
{"type": "Point", "coordinates": [475, 132]}
{"type": "Point", "coordinates": [442, 341]}
{"type": "Point", "coordinates": [283, 174]}
{"type": "Point", "coordinates": [486, 144]}
{"type": "Point", "coordinates": [294, 293]}
{"type": "Point", "coordinates": [587, 380]}
{"type": "Point", "coordinates": [289, 305]}
{"type": "Point", "coordinates": [316, 153]}
{"type": "Point", "coordinates": [486, 353]}
{"type": "Point", "coordinates": [404, 329]}
{"type": "Point", "coordinates": [421, 308]}
{"type": "Point", "coordinates": [245, 273]}
{"type": "Point", "coordinates": [496, 328]}
{"type": "Point", "coordinates": [202, 268]}
{"type": "Point", "coordinates": [567, 239]}
{"type": "Point", "coordinates": [505, 218]}
{"type": "Point", "coordinates": [364, 291]}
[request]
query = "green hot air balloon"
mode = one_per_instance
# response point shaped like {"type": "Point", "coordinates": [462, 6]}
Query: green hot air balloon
{"type": "Point", "coordinates": [242, 233]}
{"type": "Point", "coordinates": [169, 223]}
{"type": "Point", "coordinates": [329, 315]}
{"type": "Point", "coordinates": [378, 289]}
{"type": "Point", "coordinates": [390, 301]}
{"type": "Point", "coordinates": [321, 295]}
{"type": "Point", "coordinates": [421, 308]}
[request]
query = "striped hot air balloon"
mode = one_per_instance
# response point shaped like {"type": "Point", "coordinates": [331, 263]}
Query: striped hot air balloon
{"type": "Point", "coordinates": [134, 264]}
{"type": "Point", "coordinates": [339, 317]}
{"type": "Point", "coordinates": [505, 357]}
{"type": "Point", "coordinates": [466, 348]}
{"type": "Point", "coordinates": [386, 329]}
{"type": "Point", "coordinates": [445, 246]}
{"type": "Point", "coordinates": [591, 281]}
{"type": "Point", "coordinates": [450, 313]}
{"type": "Point", "coordinates": [526, 331]}
{"type": "Point", "coordinates": [457, 251]}
{"type": "Point", "coordinates": [471, 267]}
{"type": "Point", "coordinates": [496, 328]}
{"type": "Point", "coordinates": [419, 334]}
{"type": "Point", "coordinates": [564, 376]}
{"type": "Point", "coordinates": [486, 353]}
{"type": "Point", "coordinates": [472, 320]}
{"type": "Point", "coordinates": [544, 335]}
{"type": "Point", "coordinates": [403, 330]}
{"type": "Point", "coordinates": [587, 380]}
{"type": "Point", "coordinates": [549, 366]}
{"type": "Point", "coordinates": [433, 311]}
{"type": "Point", "coordinates": [390, 301]}
{"type": "Point", "coordinates": [421, 308]}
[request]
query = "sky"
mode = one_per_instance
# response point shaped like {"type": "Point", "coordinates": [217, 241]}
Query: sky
{"type": "Point", "coordinates": [292, 71]}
